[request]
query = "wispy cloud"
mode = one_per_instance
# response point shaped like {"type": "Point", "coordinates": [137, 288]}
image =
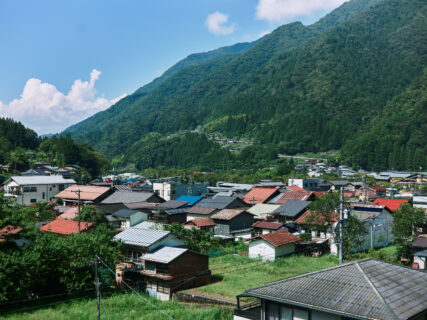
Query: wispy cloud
{"type": "Point", "coordinates": [45, 109]}
{"type": "Point", "coordinates": [217, 24]}
{"type": "Point", "coordinates": [283, 10]}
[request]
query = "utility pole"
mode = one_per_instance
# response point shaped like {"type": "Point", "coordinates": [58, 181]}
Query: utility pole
{"type": "Point", "coordinates": [340, 223]}
{"type": "Point", "coordinates": [78, 205]}
{"type": "Point", "coordinates": [98, 292]}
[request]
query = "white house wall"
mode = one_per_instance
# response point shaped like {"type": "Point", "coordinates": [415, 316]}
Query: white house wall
{"type": "Point", "coordinates": [261, 249]}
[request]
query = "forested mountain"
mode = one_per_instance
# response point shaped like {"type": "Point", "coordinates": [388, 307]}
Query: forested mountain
{"type": "Point", "coordinates": [300, 88]}
{"type": "Point", "coordinates": [13, 135]}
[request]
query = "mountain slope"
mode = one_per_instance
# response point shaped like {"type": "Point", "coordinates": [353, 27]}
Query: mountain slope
{"type": "Point", "coordinates": [297, 89]}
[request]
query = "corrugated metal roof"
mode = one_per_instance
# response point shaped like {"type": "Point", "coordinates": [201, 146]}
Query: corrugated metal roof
{"type": "Point", "coordinates": [140, 237]}
{"type": "Point", "coordinates": [127, 197]}
{"type": "Point", "coordinates": [191, 200]}
{"type": "Point", "coordinates": [227, 214]}
{"type": "Point", "coordinates": [200, 210]}
{"type": "Point", "coordinates": [32, 180]}
{"type": "Point", "coordinates": [259, 195]}
{"type": "Point", "coordinates": [292, 208]}
{"type": "Point", "coordinates": [267, 225]}
{"type": "Point", "coordinates": [86, 192]}
{"type": "Point", "coordinates": [124, 213]}
{"type": "Point", "coordinates": [171, 204]}
{"type": "Point", "coordinates": [165, 254]}
{"type": "Point", "coordinates": [261, 210]}
{"type": "Point", "coordinates": [201, 222]}
{"type": "Point", "coordinates": [218, 202]}
{"type": "Point", "coordinates": [368, 289]}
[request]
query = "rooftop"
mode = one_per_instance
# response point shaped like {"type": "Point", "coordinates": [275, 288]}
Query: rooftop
{"type": "Point", "coordinates": [140, 237]}
{"type": "Point", "coordinates": [33, 180]}
{"type": "Point", "coordinates": [292, 208]}
{"type": "Point", "coordinates": [200, 210]}
{"type": "Point", "coordinates": [227, 214]}
{"type": "Point", "coordinates": [172, 204]}
{"type": "Point", "coordinates": [165, 254]}
{"type": "Point", "coordinates": [191, 200]}
{"type": "Point", "coordinates": [391, 204]}
{"type": "Point", "coordinates": [88, 193]}
{"type": "Point", "coordinates": [201, 222]}
{"type": "Point", "coordinates": [127, 197]}
{"type": "Point", "coordinates": [217, 202]}
{"type": "Point", "coordinates": [70, 214]}
{"type": "Point", "coordinates": [364, 289]}
{"type": "Point", "coordinates": [124, 213]}
{"type": "Point", "coordinates": [267, 225]}
{"type": "Point", "coordinates": [259, 195]}
{"type": "Point", "coordinates": [334, 217]}
{"type": "Point", "coordinates": [293, 195]}
{"type": "Point", "coordinates": [279, 238]}
{"type": "Point", "coordinates": [65, 227]}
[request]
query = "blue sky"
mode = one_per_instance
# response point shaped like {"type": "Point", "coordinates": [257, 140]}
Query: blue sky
{"type": "Point", "coordinates": [62, 61]}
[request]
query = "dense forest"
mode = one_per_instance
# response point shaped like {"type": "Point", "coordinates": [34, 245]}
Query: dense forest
{"type": "Point", "coordinates": [301, 88]}
{"type": "Point", "coordinates": [20, 147]}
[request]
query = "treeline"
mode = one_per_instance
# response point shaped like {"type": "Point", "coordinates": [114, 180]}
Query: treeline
{"type": "Point", "coordinates": [193, 151]}
{"type": "Point", "coordinates": [20, 147]}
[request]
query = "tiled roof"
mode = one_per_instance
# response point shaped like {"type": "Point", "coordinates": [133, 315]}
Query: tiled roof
{"type": "Point", "coordinates": [267, 225]}
{"type": "Point", "coordinates": [334, 217]}
{"type": "Point", "coordinates": [70, 214]}
{"type": "Point", "coordinates": [65, 226]}
{"type": "Point", "coordinates": [202, 222]}
{"type": "Point", "coordinates": [365, 289]}
{"type": "Point", "coordinates": [259, 195]}
{"type": "Point", "coordinates": [227, 214]}
{"type": "Point", "coordinates": [124, 213]}
{"type": "Point", "coordinates": [293, 195]}
{"type": "Point", "coordinates": [391, 204]}
{"type": "Point", "coordinates": [378, 188]}
{"type": "Point", "coordinates": [200, 210]}
{"type": "Point", "coordinates": [140, 237]}
{"type": "Point", "coordinates": [140, 205]}
{"type": "Point", "coordinates": [279, 238]}
{"type": "Point", "coordinates": [292, 208]}
{"type": "Point", "coordinates": [165, 254]}
{"type": "Point", "coordinates": [127, 197]}
{"type": "Point", "coordinates": [9, 230]}
{"type": "Point", "coordinates": [87, 193]}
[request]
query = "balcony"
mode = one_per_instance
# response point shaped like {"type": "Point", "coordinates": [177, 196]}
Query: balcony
{"type": "Point", "coordinates": [249, 311]}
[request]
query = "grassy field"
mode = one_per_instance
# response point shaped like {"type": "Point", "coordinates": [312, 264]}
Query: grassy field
{"type": "Point", "coordinates": [233, 274]}
{"type": "Point", "coordinates": [123, 307]}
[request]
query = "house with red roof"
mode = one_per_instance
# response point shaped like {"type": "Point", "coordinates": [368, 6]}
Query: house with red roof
{"type": "Point", "coordinates": [391, 204]}
{"type": "Point", "coordinates": [264, 227]}
{"type": "Point", "coordinates": [273, 245]}
{"type": "Point", "coordinates": [66, 227]}
{"type": "Point", "coordinates": [205, 224]}
{"type": "Point", "coordinates": [260, 195]}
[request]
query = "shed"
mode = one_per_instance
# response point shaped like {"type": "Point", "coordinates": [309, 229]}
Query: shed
{"type": "Point", "coordinates": [273, 245]}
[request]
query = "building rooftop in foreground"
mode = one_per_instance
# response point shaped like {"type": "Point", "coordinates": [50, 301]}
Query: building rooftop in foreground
{"type": "Point", "coordinates": [364, 289]}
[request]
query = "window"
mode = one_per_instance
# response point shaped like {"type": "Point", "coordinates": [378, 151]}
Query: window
{"type": "Point", "coordinates": [162, 268]}
{"type": "Point", "coordinates": [33, 200]}
{"type": "Point", "coordinates": [30, 189]}
{"type": "Point", "coordinates": [280, 312]}
{"type": "Point", "coordinates": [163, 287]}
{"type": "Point", "coordinates": [43, 195]}
{"type": "Point", "coordinates": [61, 187]}
{"type": "Point", "coordinates": [50, 188]}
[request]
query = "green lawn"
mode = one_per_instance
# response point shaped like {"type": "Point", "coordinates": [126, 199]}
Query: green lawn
{"type": "Point", "coordinates": [123, 307]}
{"type": "Point", "coordinates": [234, 274]}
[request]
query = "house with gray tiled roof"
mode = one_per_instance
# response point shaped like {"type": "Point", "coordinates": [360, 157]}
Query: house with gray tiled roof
{"type": "Point", "coordinates": [290, 210]}
{"type": "Point", "coordinates": [366, 290]}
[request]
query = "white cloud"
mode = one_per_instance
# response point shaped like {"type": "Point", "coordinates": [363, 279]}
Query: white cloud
{"type": "Point", "coordinates": [216, 23]}
{"type": "Point", "coordinates": [46, 110]}
{"type": "Point", "coordinates": [281, 10]}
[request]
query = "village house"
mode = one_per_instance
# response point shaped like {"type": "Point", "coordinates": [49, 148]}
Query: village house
{"type": "Point", "coordinates": [293, 195]}
{"type": "Point", "coordinates": [273, 245]}
{"type": "Point", "coordinates": [88, 195]}
{"type": "Point", "coordinates": [66, 227]}
{"type": "Point", "coordinates": [137, 242]}
{"type": "Point", "coordinates": [229, 221]}
{"type": "Point", "coordinates": [11, 234]}
{"type": "Point", "coordinates": [204, 224]}
{"type": "Point", "coordinates": [265, 227]}
{"type": "Point", "coordinates": [124, 200]}
{"type": "Point", "coordinates": [32, 189]}
{"type": "Point", "coordinates": [420, 253]}
{"type": "Point", "coordinates": [129, 218]}
{"type": "Point", "coordinates": [391, 204]}
{"type": "Point", "coordinates": [222, 202]}
{"type": "Point", "coordinates": [189, 199]}
{"type": "Point", "coordinates": [366, 290]}
{"type": "Point", "coordinates": [170, 269]}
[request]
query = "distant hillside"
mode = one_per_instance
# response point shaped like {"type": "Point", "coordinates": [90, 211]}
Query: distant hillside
{"type": "Point", "coordinates": [300, 88]}
{"type": "Point", "coordinates": [13, 135]}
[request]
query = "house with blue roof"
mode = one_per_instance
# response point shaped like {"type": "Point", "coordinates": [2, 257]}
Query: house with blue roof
{"type": "Point", "coordinates": [191, 200]}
